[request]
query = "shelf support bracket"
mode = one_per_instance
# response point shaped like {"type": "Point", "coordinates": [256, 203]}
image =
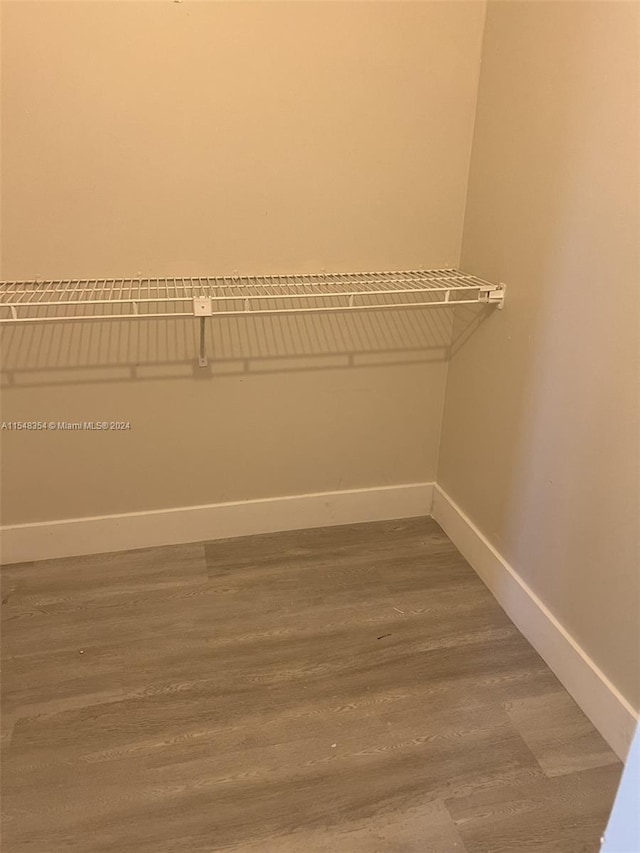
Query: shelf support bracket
{"type": "Point", "coordinates": [202, 358]}
{"type": "Point", "coordinates": [494, 295]}
{"type": "Point", "coordinates": [202, 307]}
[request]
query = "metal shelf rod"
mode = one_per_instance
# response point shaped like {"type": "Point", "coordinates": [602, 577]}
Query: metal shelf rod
{"type": "Point", "coordinates": [231, 298]}
{"type": "Point", "coordinates": [235, 313]}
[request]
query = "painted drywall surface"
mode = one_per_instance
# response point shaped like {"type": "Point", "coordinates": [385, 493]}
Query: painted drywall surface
{"type": "Point", "coordinates": [540, 433]}
{"type": "Point", "coordinates": [203, 138]}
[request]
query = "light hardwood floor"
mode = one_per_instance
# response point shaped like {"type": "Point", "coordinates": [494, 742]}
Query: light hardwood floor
{"type": "Point", "coordinates": [349, 689]}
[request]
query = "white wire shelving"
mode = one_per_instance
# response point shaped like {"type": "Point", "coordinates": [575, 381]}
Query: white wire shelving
{"type": "Point", "coordinates": [155, 298]}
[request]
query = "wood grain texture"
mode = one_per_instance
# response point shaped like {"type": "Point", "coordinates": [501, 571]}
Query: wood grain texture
{"type": "Point", "coordinates": [322, 690]}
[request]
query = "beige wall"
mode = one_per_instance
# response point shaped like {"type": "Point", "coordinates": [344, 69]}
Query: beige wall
{"type": "Point", "coordinates": [202, 138]}
{"type": "Point", "coordinates": [540, 437]}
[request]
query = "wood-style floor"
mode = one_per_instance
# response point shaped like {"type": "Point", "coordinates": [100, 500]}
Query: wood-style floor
{"type": "Point", "coordinates": [347, 690]}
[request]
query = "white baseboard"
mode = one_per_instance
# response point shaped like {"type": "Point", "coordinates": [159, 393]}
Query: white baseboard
{"type": "Point", "coordinates": [99, 534]}
{"type": "Point", "coordinates": [605, 706]}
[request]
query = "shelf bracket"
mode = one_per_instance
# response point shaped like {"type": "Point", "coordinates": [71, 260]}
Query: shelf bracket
{"type": "Point", "coordinates": [202, 307]}
{"type": "Point", "coordinates": [493, 295]}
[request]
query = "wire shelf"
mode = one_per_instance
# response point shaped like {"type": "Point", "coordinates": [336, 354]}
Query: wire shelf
{"type": "Point", "coordinates": [153, 298]}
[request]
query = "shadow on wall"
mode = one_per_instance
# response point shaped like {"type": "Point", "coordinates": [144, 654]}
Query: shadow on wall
{"type": "Point", "coordinates": [77, 352]}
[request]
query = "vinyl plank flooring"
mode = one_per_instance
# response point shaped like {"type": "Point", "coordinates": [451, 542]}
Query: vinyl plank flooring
{"type": "Point", "coordinates": [61, 679]}
{"type": "Point", "coordinates": [45, 584]}
{"type": "Point", "coordinates": [322, 690]}
{"type": "Point", "coordinates": [67, 604]}
{"type": "Point", "coordinates": [262, 785]}
{"type": "Point", "coordinates": [428, 829]}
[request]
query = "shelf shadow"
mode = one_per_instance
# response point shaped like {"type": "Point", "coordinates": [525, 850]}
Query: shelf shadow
{"type": "Point", "coordinates": [108, 351]}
